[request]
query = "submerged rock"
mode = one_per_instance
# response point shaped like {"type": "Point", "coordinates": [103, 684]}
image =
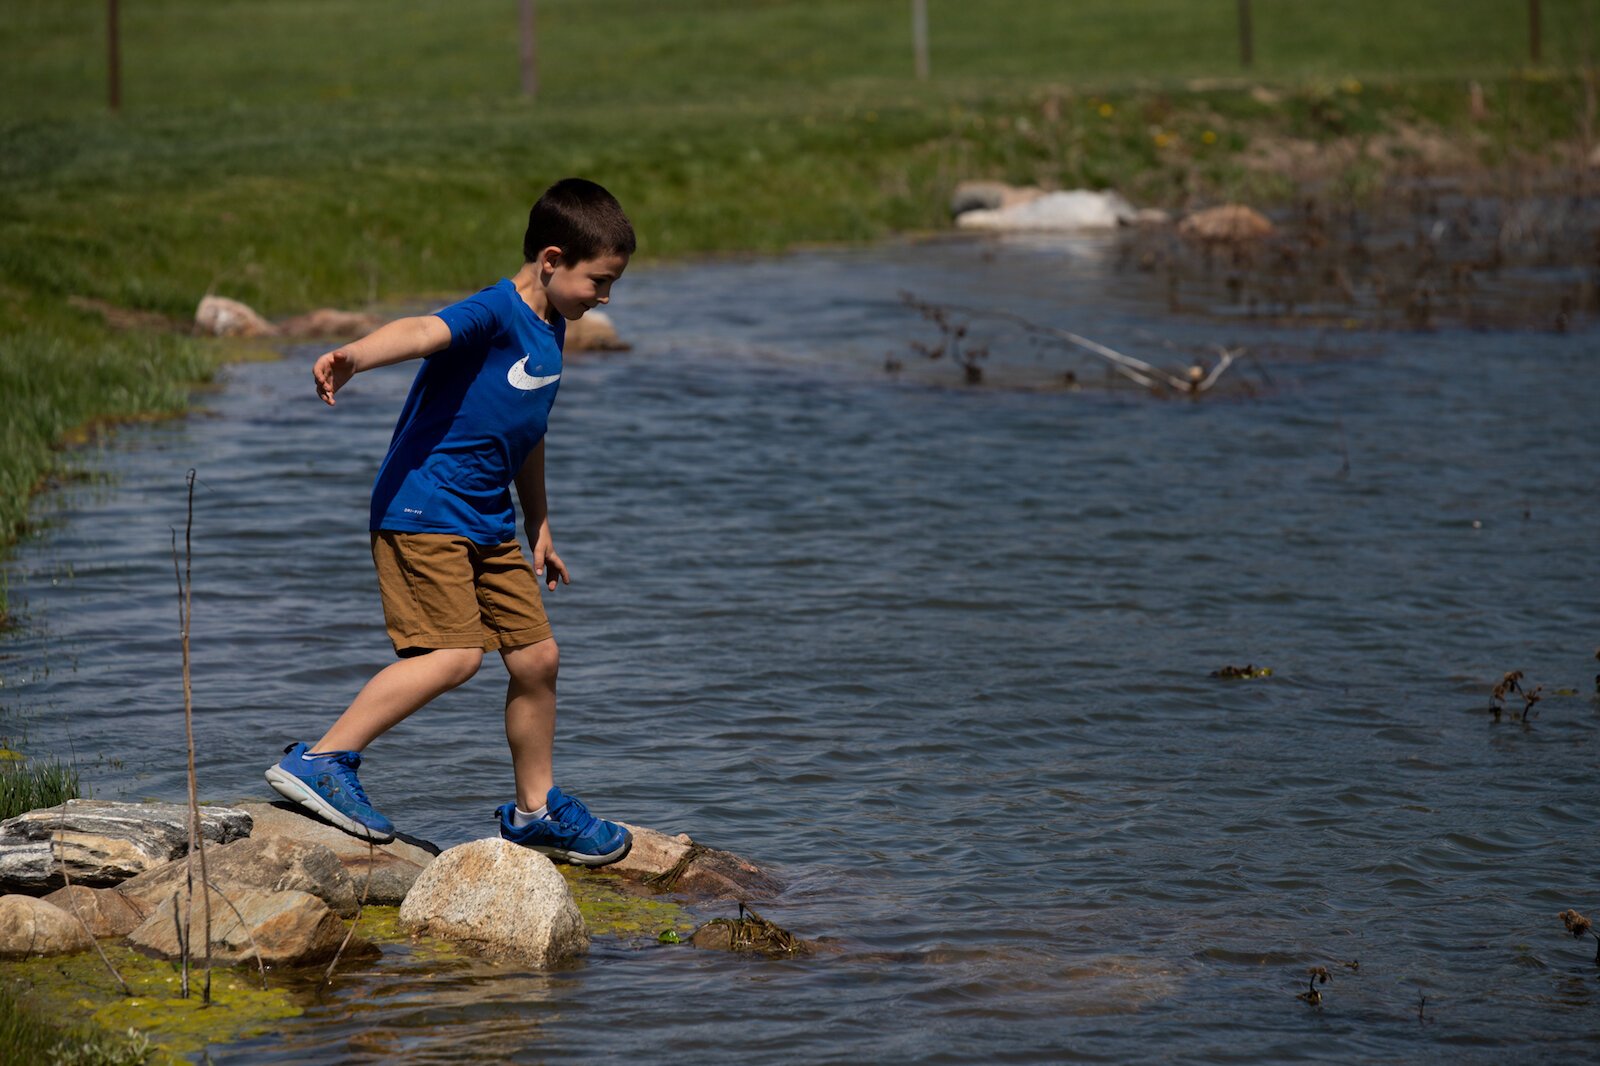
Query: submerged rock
{"type": "Point", "coordinates": [749, 933]}
{"type": "Point", "coordinates": [393, 867]}
{"type": "Point", "coordinates": [1230, 222]}
{"type": "Point", "coordinates": [1075, 209]}
{"type": "Point", "coordinates": [102, 843]}
{"type": "Point", "coordinates": [106, 911]}
{"type": "Point", "coordinates": [500, 898]}
{"type": "Point", "coordinates": [678, 864]}
{"type": "Point", "coordinates": [30, 926]}
{"type": "Point", "coordinates": [275, 863]}
{"type": "Point", "coordinates": [285, 928]}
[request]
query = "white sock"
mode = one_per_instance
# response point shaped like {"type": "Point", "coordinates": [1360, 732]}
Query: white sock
{"type": "Point", "coordinates": [520, 817]}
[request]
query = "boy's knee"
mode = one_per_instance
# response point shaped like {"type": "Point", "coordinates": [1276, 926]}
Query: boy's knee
{"type": "Point", "coordinates": [534, 662]}
{"type": "Point", "coordinates": [459, 664]}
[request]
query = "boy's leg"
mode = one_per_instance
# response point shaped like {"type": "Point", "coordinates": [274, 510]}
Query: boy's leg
{"type": "Point", "coordinates": [531, 718]}
{"type": "Point", "coordinates": [398, 690]}
{"type": "Point", "coordinates": [513, 611]}
{"type": "Point", "coordinates": [426, 581]}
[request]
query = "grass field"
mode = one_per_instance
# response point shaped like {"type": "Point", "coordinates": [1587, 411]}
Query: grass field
{"type": "Point", "coordinates": [299, 153]}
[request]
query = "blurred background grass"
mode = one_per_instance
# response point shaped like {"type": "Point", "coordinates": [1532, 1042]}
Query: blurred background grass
{"type": "Point", "coordinates": [301, 153]}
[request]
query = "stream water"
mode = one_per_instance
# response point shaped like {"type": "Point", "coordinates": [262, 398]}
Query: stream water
{"type": "Point", "coordinates": [939, 656]}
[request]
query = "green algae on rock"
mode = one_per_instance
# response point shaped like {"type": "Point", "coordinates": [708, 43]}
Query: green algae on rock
{"type": "Point", "coordinates": [77, 988]}
{"type": "Point", "coordinates": [609, 909]}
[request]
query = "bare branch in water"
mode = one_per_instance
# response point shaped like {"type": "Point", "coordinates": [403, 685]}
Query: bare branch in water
{"type": "Point", "coordinates": [1198, 380]}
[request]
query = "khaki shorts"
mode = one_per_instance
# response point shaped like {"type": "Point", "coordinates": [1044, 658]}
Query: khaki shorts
{"type": "Point", "coordinates": [444, 591]}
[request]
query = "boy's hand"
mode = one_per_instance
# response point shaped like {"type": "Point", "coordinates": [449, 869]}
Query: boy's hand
{"type": "Point", "coordinates": [331, 372]}
{"type": "Point", "coordinates": [544, 553]}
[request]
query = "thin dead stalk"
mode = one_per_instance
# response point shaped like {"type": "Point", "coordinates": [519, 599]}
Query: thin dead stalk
{"type": "Point", "coordinates": [197, 844]}
{"type": "Point", "coordinates": [67, 881]}
{"type": "Point", "coordinates": [361, 906]}
{"type": "Point", "coordinates": [1136, 370]}
{"type": "Point", "coordinates": [260, 965]}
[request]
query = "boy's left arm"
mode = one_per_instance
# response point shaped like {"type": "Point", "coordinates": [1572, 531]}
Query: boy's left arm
{"type": "Point", "coordinates": [536, 516]}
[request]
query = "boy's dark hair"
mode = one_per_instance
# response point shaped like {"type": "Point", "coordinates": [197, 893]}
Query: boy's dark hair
{"type": "Point", "coordinates": [581, 219]}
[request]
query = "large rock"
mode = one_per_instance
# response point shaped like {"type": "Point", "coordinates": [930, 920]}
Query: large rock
{"type": "Point", "coordinates": [30, 926]}
{"type": "Point", "coordinates": [287, 928]}
{"type": "Point", "coordinates": [500, 898]}
{"type": "Point", "coordinates": [218, 316]}
{"type": "Point", "coordinates": [1073, 210]}
{"type": "Point", "coordinates": [102, 843]}
{"type": "Point", "coordinates": [594, 332]}
{"type": "Point", "coordinates": [394, 866]}
{"type": "Point", "coordinates": [106, 911]}
{"type": "Point", "coordinates": [991, 196]}
{"type": "Point", "coordinates": [1230, 222]}
{"type": "Point", "coordinates": [275, 863]}
{"type": "Point", "coordinates": [678, 864]}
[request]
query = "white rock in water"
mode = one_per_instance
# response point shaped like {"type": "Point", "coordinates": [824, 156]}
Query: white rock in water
{"type": "Point", "coordinates": [501, 898]}
{"type": "Point", "coordinates": [1076, 209]}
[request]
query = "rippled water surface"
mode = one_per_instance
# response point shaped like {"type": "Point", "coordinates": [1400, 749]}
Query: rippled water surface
{"type": "Point", "coordinates": [940, 657]}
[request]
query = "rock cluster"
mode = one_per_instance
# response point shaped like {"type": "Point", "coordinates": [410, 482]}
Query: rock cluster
{"type": "Point", "coordinates": [281, 884]}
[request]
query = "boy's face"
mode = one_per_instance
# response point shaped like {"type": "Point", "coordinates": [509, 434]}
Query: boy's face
{"type": "Point", "coordinates": [573, 288]}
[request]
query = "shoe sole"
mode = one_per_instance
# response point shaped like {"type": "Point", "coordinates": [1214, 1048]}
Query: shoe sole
{"type": "Point", "coordinates": [578, 858]}
{"type": "Point", "coordinates": [293, 789]}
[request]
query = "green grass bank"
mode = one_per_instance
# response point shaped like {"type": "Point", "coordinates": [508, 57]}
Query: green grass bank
{"type": "Point", "coordinates": [302, 153]}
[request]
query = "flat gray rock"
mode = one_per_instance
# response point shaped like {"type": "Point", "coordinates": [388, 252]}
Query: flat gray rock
{"type": "Point", "coordinates": [275, 863]}
{"type": "Point", "coordinates": [102, 843]}
{"type": "Point", "coordinates": [393, 867]}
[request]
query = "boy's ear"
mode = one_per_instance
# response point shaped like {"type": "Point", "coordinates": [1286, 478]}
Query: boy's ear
{"type": "Point", "coordinates": [549, 257]}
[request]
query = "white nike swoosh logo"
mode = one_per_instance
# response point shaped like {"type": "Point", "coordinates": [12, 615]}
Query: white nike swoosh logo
{"type": "Point", "coordinates": [519, 377]}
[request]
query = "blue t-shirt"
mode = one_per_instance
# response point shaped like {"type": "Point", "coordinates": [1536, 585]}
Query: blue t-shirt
{"type": "Point", "coordinates": [476, 409]}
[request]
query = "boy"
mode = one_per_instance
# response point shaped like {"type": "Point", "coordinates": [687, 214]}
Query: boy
{"type": "Point", "coordinates": [451, 573]}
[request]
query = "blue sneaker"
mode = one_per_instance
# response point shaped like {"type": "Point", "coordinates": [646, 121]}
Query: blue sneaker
{"type": "Point", "coordinates": [327, 785]}
{"type": "Point", "coordinates": [568, 832]}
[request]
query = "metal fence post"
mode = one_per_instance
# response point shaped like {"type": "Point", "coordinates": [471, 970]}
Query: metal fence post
{"type": "Point", "coordinates": [113, 56]}
{"type": "Point", "coordinates": [1247, 45]}
{"type": "Point", "coordinates": [530, 50]}
{"type": "Point", "coordinates": [919, 37]}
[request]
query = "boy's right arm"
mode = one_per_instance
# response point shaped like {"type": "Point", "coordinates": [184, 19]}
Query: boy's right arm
{"type": "Point", "coordinates": [402, 339]}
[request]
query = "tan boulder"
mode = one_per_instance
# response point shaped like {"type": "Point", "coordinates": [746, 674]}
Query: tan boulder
{"type": "Point", "coordinates": [218, 316]}
{"type": "Point", "coordinates": [30, 927]}
{"type": "Point", "coordinates": [393, 867]}
{"type": "Point", "coordinates": [678, 864]}
{"type": "Point", "coordinates": [106, 911]}
{"type": "Point", "coordinates": [329, 322]}
{"type": "Point", "coordinates": [594, 332]}
{"type": "Point", "coordinates": [275, 863]}
{"type": "Point", "coordinates": [500, 898]}
{"type": "Point", "coordinates": [1229, 222]}
{"type": "Point", "coordinates": [286, 928]}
